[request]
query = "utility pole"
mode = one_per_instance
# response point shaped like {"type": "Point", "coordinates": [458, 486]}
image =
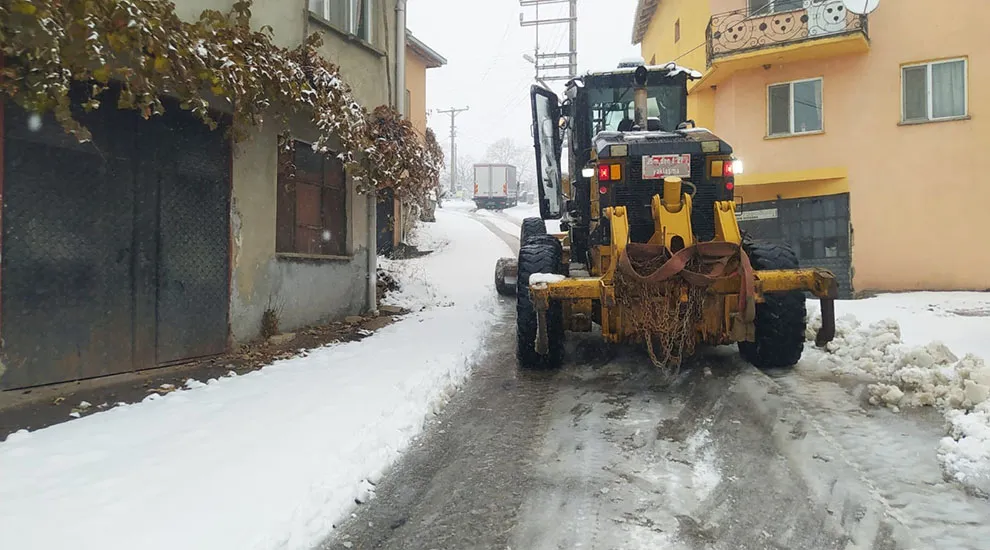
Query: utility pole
{"type": "Point", "coordinates": [453, 112]}
{"type": "Point", "coordinates": [551, 60]}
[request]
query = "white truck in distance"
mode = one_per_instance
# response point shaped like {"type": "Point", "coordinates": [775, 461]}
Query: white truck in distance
{"type": "Point", "coordinates": [496, 186]}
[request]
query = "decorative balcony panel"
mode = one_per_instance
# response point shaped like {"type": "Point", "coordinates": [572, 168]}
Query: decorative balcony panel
{"type": "Point", "coordinates": [737, 32]}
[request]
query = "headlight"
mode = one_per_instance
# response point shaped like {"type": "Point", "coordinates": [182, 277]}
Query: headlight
{"type": "Point", "coordinates": [737, 167]}
{"type": "Point", "coordinates": [588, 172]}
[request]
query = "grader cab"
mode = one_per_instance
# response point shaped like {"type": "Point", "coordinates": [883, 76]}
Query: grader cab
{"type": "Point", "coordinates": [650, 249]}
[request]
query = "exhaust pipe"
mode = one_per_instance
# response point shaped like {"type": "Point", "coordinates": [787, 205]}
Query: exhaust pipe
{"type": "Point", "coordinates": [641, 96]}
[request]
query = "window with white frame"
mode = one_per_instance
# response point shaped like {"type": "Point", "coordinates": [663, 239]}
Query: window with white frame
{"type": "Point", "coordinates": [766, 7]}
{"type": "Point", "coordinates": [351, 16]}
{"type": "Point", "coordinates": [795, 107]}
{"type": "Point", "coordinates": [933, 91]}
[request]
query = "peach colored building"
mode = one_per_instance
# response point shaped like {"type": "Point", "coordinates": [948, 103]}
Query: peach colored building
{"type": "Point", "coordinates": [863, 138]}
{"type": "Point", "coordinates": [419, 58]}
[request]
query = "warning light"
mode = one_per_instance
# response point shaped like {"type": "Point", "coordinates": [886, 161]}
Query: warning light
{"type": "Point", "coordinates": [727, 170]}
{"type": "Point", "coordinates": [603, 173]}
{"type": "Point", "coordinates": [603, 190]}
{"type": "Point", "coordinates": [730, 186]}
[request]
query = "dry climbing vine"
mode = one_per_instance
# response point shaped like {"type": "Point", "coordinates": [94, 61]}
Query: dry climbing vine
{"type": "Point", "coordinates": [51, 46]}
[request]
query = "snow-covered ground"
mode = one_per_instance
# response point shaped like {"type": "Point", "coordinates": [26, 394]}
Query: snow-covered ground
{"type": "Point", "coordinates": [922, 349]}
{"type": "Point", "coordinates": [271, 459]}
{"type": "Point", "coordinates": [523, 211]}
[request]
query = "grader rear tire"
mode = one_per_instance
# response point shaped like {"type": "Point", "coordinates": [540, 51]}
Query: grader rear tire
{"type": "Point", "coordinates": [501, 286]}
{"type": "Point", "coordinates": [780, 320]}
{"type": "Point", "coordinates": [530, 228]}
{"type": "Point", "coordinates": [539, 257]}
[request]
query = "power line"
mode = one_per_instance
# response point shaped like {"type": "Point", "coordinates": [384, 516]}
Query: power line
{"type": "Point", "coordinates": [553, 57]}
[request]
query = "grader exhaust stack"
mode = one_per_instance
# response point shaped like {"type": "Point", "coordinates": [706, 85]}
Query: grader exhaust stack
{"type": "Point", "coordinates": [641, 97]}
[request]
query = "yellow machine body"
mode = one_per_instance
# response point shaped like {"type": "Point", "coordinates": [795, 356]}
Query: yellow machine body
{"type": "Point", "coordinates": [594, 297]}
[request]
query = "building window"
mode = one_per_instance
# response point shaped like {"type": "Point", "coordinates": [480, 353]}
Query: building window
{"type": "Point", "coordinates": [677, 31]}
{"type": "Point", "coordinates": [934, 91]}
{"type": "Point", "coordinates": [766, 7]}
{"type": "Point", "coordinates": [350, 16]}
{"type": "Point", "coordinates": [795, 107]}
{"type": "Point", "coordinates": [312, 203]}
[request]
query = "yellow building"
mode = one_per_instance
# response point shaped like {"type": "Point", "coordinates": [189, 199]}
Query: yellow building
{"type": "Point", "coordinates": [862, 136]}
{"type": "Point", "coordinates": [419, 58]}
{"type": "Point", "coordinates": [395, 218]}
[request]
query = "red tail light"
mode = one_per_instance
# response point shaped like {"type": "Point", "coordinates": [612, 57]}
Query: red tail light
{"type": "Point", "coordinates": [727, 171]}
{"type": "Point", "coordinates": [604, 174]}
{"type": "Point", "coordinates": [730, 185]}
{"type": "Point", "coordinates": [603, 190]}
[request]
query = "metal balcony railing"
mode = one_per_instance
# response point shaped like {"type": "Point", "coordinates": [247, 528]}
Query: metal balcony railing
{"type": "Point", "coordinates": [739, 31]}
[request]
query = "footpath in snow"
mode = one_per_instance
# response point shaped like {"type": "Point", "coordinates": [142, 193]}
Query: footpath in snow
{"type": "Point", "coordinates": [907, 346]}
{"type": "Point", "coordinates": [271, 459]}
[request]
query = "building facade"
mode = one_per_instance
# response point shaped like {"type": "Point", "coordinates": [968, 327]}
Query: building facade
{"type": "Point", "coordinates": [161, 241]}
{"type": "Point", "coordinates": [857, 132]}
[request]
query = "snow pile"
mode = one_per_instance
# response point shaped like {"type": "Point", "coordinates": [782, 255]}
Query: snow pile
{"type": "Point", "coordinates": [267, 460]}
{"type": "Point", "coordinates": [545, 278]}
{"type": "Point", "coordinates": [917, 376]}
{"type": "Point", "coordinates": [417, 291]}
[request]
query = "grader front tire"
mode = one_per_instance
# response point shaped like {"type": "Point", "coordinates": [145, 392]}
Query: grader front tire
{"type": "Point", "coordinates": [780, 319]}
{"type": "Point", "coordinates": [538, 257]}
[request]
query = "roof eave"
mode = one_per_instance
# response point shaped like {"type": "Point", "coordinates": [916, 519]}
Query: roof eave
{"type": "Point", "coordinates": [645, 10]}
{"type": "Point", "coordinates": [433, 59]}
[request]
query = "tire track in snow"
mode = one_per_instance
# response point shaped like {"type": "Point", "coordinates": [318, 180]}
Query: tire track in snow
{"type": "Point", "coordinates": [894, 456]}
{"type": "Point", "coordinates": [511, 240]}
{"type": "Point", "coordinates": [462, 485]}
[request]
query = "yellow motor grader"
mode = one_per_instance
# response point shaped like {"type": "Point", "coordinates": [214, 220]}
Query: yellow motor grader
{"type": "Point", "coordinates": [649, 249]}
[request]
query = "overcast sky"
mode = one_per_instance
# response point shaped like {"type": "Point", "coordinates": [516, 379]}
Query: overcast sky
{"type": "Point", "coordinates": [484, 46]}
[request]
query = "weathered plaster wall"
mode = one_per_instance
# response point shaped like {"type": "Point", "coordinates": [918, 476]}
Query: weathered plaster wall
{"type": "Point", "coordinates": [307, 290]}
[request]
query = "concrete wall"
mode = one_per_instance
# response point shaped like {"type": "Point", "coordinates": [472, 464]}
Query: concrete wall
{"type": "Point", "coordinates": [913, 188]}
{"type": "Point", "coordinates": [659, 40]}
{"type": "Point", "coordinates": [307, 290]}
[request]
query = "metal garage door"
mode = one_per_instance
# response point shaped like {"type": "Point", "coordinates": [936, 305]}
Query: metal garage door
{"type": "Point", "coordinates": [115, 252]}
{"type": "Point", "coordinates": [817, 228]}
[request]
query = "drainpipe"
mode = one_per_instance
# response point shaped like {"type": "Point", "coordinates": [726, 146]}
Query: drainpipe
{"type": "Point", "coordinates": [400, 81]}
{"type": "Point", "coordinates": [400, 100]}
{"type": "Point", "coordinates": [400, 57]}
{"type": "Point", "coordinates": [372, 298]}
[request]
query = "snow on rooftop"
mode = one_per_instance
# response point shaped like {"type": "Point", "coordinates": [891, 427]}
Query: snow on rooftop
{"type": "Point", "coordinates": [673, 69]}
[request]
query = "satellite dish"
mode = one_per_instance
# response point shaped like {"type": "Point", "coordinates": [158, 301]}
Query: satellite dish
{"type": "Point", "coordinates": [861, 7]}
